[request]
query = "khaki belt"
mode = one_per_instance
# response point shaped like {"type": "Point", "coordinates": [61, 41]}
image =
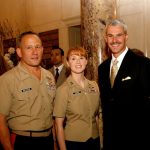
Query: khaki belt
{"type": "Point", "coordinates": [33, 133]}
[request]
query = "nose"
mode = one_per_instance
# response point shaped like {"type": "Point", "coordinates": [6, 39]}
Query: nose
{"type": "Point", "coordinates": [114, 39]}
{"type": "Point", "coordinates": [34, 49]}
{"type": "Point", "coordinates": [78, 60]}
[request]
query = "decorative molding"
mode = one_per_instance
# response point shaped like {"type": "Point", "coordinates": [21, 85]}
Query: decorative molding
{"type": "Point", "coordinates": [72, 21]}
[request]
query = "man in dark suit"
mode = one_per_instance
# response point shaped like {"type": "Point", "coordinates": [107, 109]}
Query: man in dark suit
{"type": "Point", "coordinates": [125, 102]}
{"type": "Point", "coordinates": [57, 59]}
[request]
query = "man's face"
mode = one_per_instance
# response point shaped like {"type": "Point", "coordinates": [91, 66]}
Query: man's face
{"type": "Point", "coordinates": [30, 51]}
{"type": "Point", "coordinates": [56, 57]}
{"type": "Point", "coordinates": [116, 39]}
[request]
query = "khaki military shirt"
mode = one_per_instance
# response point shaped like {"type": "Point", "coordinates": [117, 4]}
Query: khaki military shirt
{"type": "Point", "coordinates": [27, 101]}
{"type": "Point", "coordinates": [80, 107]}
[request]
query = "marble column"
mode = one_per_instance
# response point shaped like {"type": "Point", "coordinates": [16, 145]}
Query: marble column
{"type": "Point", "coordinates": [94, 14]}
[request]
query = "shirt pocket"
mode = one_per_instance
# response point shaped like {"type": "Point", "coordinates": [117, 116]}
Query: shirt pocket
{"type": "Point", "coordinates": [75, 102]}
{"type": "Point", "coordinates": [21, 101]}
{"type": "Point", "coordinates": [23, 94]}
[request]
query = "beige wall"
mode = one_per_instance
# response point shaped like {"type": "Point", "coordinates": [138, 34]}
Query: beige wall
{"type": "Point", "coordinates": [148, 28]}
{"type": "Point", "coordinates": [14, 11]}
{"type": "Point", "coordinates": [50, 14]}
{"type": "Point", "coordinates": [45, 15]}
{"type": "Point", "coordinates": [136, 14]}
{"type": "Point", "coordinates": [42, 15]}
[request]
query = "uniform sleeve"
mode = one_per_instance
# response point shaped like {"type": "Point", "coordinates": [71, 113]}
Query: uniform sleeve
{"type": "Point", "coordinates": [5, 95]}
{"type": "Point", "coordinates": [61, 101]}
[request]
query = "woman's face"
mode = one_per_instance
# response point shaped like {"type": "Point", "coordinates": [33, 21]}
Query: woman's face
{"type": "Point", "coordinates": [77, 63]}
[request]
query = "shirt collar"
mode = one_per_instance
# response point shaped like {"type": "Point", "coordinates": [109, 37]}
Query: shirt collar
{"type": "Point", "coordinates": [60, 68]}
{"type": "Point", "coordinates": [120, 57]}
{"type": "Point", "coordinates": [72, 82]}
{"type": "Point", "coordinates": [26, 74]}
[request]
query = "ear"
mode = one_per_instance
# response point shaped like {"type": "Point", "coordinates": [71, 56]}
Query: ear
{"type": "Point", "coordinates": [126, 37]}
{"type": "Point", "coordinates": [19, 53]}
{"type": "Point", "coordinates": [105, 37]}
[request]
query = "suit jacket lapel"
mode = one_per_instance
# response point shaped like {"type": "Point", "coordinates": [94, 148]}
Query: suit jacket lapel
{"type": "Point", "coordinates": [107, 73]}
{"type": "Point", "coordinates": [62, 76]}
{"type": "Point", "coordinates": [63, 71]}
{"type": "Point", "coordinates": [52, 71]}
{"type": "Point", "coordinates": [124, 68]}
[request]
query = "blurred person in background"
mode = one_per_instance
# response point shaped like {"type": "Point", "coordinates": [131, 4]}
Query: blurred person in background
{"type": "Point", "coordinates": [59, 68]}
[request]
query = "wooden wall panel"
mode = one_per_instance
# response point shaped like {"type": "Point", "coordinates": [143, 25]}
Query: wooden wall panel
{"type": "Point", "coordinates": [49, 39]}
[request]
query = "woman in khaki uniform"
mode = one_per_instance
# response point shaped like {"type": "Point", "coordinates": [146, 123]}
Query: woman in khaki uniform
{"type": "Point", "coordinates": [77, 101]}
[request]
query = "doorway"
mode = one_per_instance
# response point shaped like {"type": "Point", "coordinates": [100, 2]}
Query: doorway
{"type": "Point", "coordinates": [74, 36]}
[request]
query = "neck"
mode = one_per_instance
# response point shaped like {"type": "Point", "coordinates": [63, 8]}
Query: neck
{"type": "Point", "coordinates": [34, 70]}
{"type": "Point", "coordinates": [79, 78]}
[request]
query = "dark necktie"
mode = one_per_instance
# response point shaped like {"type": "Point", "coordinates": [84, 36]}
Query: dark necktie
{"type": "Point", "coordinates": [57, 74]}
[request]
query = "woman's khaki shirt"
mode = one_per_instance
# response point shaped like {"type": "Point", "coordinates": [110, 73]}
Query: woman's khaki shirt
{"type": "Point", "coordinates": [80, 107]}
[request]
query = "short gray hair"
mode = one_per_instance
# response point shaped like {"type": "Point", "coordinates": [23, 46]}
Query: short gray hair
{"type": "Point", "coordinates": [116, 22]}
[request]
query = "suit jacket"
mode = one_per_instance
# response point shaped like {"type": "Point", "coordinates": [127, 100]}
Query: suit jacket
{"type": "Point", "coordinates": [126, 106]}
{"type": "Point", "coordinates": [62, 76]}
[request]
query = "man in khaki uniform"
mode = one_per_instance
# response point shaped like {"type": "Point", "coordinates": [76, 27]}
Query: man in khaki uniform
{"type": "Point", "coordinates": [26, 99]}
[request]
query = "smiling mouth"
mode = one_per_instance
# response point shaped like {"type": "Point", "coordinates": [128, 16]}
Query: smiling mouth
{"type": "Point", "coordinates": [115, 44]}
{"type": "Point", "coordinates": [34, 59]}
{"type": "Point", "coordinates": [78, 66]}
